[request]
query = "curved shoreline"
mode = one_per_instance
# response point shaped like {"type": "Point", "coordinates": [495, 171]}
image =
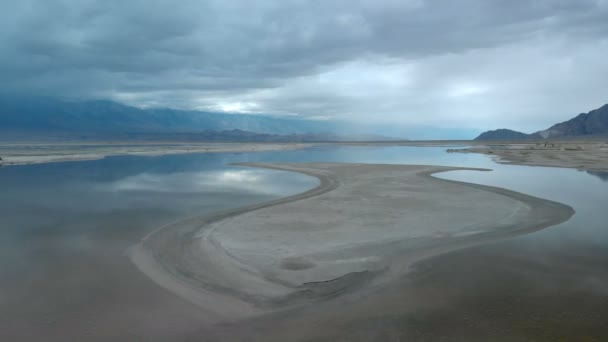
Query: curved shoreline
{"type": "Point", "coordinates": [147, 262]}
{"type": "Point", "coordinates": [170, 254]}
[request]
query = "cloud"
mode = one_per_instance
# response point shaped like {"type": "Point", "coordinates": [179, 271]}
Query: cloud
{"type": "Point", "coordinates": [468, 64]}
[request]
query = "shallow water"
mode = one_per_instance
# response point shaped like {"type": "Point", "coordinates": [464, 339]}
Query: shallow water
{"type": "Point", "coordinates": [64, 229]}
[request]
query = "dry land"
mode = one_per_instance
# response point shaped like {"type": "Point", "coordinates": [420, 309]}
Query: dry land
{"type": "Point", "coordinates": [583, 155]}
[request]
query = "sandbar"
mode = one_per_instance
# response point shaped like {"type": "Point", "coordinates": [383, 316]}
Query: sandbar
{"type": "Point", "coordinates": [362, 227]}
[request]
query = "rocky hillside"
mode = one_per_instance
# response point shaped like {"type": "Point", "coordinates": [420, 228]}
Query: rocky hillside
{"type": "Point", "coordinates": [592, 124]}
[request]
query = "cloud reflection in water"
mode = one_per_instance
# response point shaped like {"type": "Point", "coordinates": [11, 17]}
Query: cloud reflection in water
{"type": "Point", "coordinates": [267, 182]}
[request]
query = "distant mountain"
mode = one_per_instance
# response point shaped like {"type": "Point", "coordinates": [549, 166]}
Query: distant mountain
{"type": "Point", "coordinates": [44, 116]}
{"type": "Point", "coordinates": [503, 134]}
{"type": "Point", "coordinates": [592, 124]}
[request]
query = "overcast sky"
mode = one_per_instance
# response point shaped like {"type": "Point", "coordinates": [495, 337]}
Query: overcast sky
{"type": "Point", "coordinates": [458, 66]}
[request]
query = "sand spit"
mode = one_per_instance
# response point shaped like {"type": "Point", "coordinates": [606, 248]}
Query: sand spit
{"type": "Point", "coordinates": [583, 155]}
{"type": "Point", "coordinates": [362, 227]}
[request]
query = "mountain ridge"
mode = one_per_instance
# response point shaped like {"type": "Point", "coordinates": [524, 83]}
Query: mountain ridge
{"type": "Point", "coordinates": [50, 116]}
{"type": "Point", "coordinates": [591, 124]}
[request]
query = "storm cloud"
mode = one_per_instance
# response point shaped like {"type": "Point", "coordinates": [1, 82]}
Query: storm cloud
{"type": "Point", "coordinates": [471, 64]}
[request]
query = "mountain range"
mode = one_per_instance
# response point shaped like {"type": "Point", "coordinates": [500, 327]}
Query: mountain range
{"type": "Point", "coordinates": [40, 117]}
{"type": "Point", "coordinates": [584, 125]}
{"type": "Point", "coordinates": [37, 116]}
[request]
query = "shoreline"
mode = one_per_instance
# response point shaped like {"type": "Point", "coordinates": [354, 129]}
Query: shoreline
{"type": "Point", "coordinates": [589, 156]}
{"type": "Point", "coordinates": [146, 260]}
{"type": "Point", "coordinates": [27, 154]}
{"type": "Point", "coordinates": [190, 257]}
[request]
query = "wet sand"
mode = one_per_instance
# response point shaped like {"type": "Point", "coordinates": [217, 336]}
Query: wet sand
{"type": "Point", "coordinates": [324, 255]}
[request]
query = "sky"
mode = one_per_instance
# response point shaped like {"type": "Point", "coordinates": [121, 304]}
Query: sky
{"type": "Point", "coordinates": [455, 67]}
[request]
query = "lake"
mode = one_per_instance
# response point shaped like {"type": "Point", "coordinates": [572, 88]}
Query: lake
{"type": "Point", "coordinates": [65, 229]}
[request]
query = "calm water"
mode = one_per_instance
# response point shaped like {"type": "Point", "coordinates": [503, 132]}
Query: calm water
{"type": "Point", "coordinates": [64, 227]}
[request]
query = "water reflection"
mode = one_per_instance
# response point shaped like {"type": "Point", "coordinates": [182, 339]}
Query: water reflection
{"type": "Point", "coordinates": [586, 194]}
{"type": "Point", "coordinates": [266, 182]}
{"type": "Point", "coordinates": [600, 174]}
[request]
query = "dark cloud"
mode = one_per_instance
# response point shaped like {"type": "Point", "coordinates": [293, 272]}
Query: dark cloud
{"type": "Point", "coordinates": [473, 63]}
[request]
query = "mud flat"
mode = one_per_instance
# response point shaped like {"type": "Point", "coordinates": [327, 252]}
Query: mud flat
{"type": "Point", "coordinates": [361, 228]}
